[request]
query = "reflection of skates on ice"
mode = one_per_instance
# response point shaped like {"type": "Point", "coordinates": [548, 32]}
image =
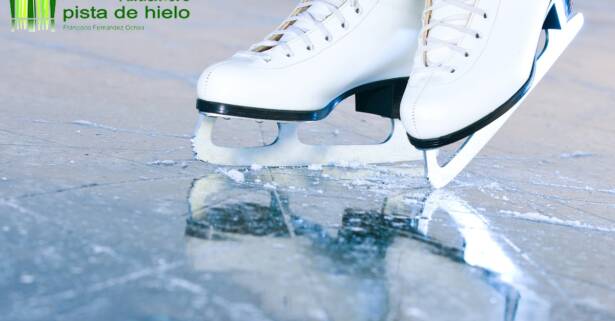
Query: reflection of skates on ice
{"type": "Point", "coordinates": [326, 51]}
{"type": "Point", "coordinates": [476, 64]}
{"type": "Point", "coordinates": [375, 263]}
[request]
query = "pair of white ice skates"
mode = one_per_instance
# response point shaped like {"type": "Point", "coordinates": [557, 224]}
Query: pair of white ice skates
{"type": "Point", "coordinates": [474, 63]}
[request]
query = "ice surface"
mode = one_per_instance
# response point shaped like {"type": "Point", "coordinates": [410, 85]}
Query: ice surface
{"type": "Point", "coordinates": [106, 216]}
{"type": "Point", "coordinates": [537, 217]}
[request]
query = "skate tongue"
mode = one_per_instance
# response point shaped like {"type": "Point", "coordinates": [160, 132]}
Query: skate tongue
{"type": "Point", "coordinates": [450, 14]}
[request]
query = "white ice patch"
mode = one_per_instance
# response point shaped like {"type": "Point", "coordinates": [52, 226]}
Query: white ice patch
{"type": "Point", "coordinates": [256, 167]}
{"type": "Point", "coordinates": [270, 186]}
{"type": "Point", "coordinates": [318, 315]}
{"type": "Point", "coordinates": [576, 154]}
{"type": "Point", "coordinates": [235, 175]}
{"type": "Point", "coordinates": [315, 167]}
{"type": "Point", "coordinates": [350, 164]}
{"type": "Point", "coordinates": [100, 249]}
{"type": "Point", "coordinates": [186, 285]}
{"type": "Point", "coordinates": [493, 186]}
{"type": "Point", "coordinates": [166, 162]}
{"type": "Point", "coordinates": [541, 218]}
{"type": "Point", "coordinates": [416, 313]}
{"type": "Point", "coordinates": [90, 124]}
{"type": "Point", "coordinates": [26, 279]}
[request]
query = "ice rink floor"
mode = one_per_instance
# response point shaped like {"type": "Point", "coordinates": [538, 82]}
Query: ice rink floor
{"type": "Point", "coordinates": [104, 214]}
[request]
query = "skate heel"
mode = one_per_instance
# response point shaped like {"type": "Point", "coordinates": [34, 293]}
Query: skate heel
{"type": "Point", "coordinates": [382, 98]}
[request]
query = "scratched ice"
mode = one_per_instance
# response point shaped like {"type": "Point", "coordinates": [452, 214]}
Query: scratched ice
{"type": "Point", "coordinates": [106, 216]}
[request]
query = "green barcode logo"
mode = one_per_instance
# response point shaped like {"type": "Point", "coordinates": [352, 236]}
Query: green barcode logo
{"type": "Point", "coordinates": [33, 15]}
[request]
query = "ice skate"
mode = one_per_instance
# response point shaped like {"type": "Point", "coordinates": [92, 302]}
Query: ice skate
{"type": "Point", "coordinates": [477, 61]}
{"type": "Point", "coordinates": [325, 52]}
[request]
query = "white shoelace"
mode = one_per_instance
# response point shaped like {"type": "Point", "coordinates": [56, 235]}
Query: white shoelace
{"type": "Point", "coordinates": [308, 15]}
{"type": "Point", "coordinates": [433, 43]}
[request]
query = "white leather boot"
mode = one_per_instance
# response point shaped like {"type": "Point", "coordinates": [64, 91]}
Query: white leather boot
{"type": "Point", "coordinates": [475, 62]}
{"type": "Point", "coordinates": [325, 51]}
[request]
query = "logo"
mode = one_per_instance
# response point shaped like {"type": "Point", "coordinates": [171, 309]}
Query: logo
{"type": "Point", "coordinates": [33, 15]}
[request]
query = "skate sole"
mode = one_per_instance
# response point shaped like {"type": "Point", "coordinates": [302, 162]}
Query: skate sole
{"type": "Point", "coordinates": [480, 124]}
{"type": "Point", "coordinates": [551, 22]}
{"type": "Point", "coordinates": [379, 98]}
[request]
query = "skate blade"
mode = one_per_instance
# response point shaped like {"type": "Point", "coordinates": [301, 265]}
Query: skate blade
{"type": "Point", "coordinates": [559, 39]}
{"type": "Point", "coordinates": [288, 150]}
{"type": "Point", "coordinates": [258, 120]}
